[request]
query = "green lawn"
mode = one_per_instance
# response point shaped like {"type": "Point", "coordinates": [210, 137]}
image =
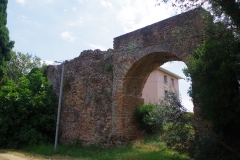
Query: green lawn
{"type": "Point", "coordinates": [148, 149]}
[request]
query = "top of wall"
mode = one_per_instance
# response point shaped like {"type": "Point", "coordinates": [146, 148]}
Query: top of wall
{"type": "Point", "coordinates": [159, 32]}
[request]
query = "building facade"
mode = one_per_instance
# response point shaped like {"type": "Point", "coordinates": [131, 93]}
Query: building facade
{"type": "Point", "coordinates": [159, 84]}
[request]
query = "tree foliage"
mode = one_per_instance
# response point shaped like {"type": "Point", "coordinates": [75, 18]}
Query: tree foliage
{"type": "Point", "coordinates": [169, 118]}
{"type": "Point", "coordinates": [20, 65]}
{"type": "Point", "coordinates": [27, 111]}
{"type": "Point", "coordinates": [214, 70]}
{"type": "Point", "coordinates": [5, 44]}
{"type": "Point", "coordinates": [230, 9]}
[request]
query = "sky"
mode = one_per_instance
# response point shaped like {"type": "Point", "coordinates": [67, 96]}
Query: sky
{"type": "Point", "coordinates": [62, 29]}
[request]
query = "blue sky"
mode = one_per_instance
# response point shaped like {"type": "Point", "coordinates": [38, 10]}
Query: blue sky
{"type": "Point", "coordinates": [62, 29]}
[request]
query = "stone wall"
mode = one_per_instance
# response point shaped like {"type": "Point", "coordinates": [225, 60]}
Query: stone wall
{"type": "Point", "coordinates": [87, 97]}
{"type": "Point", "coordinates": [179, 34]}
{"type": "Point", "coordinates": [103, 88]}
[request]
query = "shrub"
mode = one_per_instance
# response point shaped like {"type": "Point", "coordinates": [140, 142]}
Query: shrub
{"type": "Point", "coordinates": [154, 115]}
{"type": "Point", "coordinates": [169, 118]}
{"type": "Point", "coordinates": [141, 114]}
{"type": "Point", "coordinates": [178, 136]}
{"type": "Point", "coordinates": [27, 111]}
{"type": "Point", "coordinates": [188, 118]}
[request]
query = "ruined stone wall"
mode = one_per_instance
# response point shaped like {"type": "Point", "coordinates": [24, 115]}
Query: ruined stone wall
{"type": "Point", "coordinates": [103, 88]}
{"type": "Point", "coordinates": [86, 103]}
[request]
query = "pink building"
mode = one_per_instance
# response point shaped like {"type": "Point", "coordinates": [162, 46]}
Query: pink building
{"type": "Point", "coordinates": [159, 83]}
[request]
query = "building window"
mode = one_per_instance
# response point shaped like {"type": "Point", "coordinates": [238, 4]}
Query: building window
{"type": "Point", "coordinates": [166, 93]}
{"type": "Point", "coordinates": [172, 80]}
{"type": "Point", "coordinates": [165, 79]}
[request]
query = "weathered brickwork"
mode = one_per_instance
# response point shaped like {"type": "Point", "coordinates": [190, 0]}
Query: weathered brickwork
{"type": "Point", "coordinates": [103, 88]}
{"type": "Point", "coordinates": [87, 97]}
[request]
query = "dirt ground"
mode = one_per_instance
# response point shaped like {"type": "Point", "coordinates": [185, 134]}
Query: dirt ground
{"type": "Point", "coordinates": [7, 156]}
{"type": "Point", "coordinates": [17, 155]}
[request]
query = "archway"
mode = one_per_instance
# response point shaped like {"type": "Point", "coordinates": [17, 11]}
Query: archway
{"type": "Point", "coordinates": [133, 83]}
{"type": "Point", "coordinates": [168, 40]}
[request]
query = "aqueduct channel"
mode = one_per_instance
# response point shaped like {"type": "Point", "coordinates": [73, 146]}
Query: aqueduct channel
{"type": "Point", "coordinates": [103, 88]}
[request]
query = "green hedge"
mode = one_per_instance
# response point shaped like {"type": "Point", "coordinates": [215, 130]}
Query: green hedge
{"type": "Point", "coordinates": [27, 111]}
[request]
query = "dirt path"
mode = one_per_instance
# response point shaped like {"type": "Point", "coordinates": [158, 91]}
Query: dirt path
{"type": "Point", "coordinates": [22, 156]}
{"type": "Point", "coordinates": [19, 155]}
{"type": "Point", "coordinates": [6, 156]}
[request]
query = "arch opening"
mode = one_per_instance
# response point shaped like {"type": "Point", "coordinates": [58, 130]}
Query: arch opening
{"type": "Point", "coordinates": [156, 88]}
{"type": "Point", "coordinates": [137, 75]}
{"type": "Point", "coordinates": [133, 84]}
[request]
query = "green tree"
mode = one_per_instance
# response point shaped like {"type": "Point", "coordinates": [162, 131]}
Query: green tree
{"type": "Point", "coordinates": [227, 8]}
{"type": "Point", "coordinates": [214, 69]}
{"type": "Point", "coordinates": [27, 111]}
{"type": "Point", "coordinates": [20, 65]}
{"type": "Point", "coordinates": [5, 44]}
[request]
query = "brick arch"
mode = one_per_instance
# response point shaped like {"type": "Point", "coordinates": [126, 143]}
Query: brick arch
{"type": "Point", "coordinates": [140, 52]}
{"type": "Point", "coordinates": [130, 87]}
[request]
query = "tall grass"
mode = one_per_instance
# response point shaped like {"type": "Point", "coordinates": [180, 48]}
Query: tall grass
{"type": "Point", "coordinates": [149, 149]}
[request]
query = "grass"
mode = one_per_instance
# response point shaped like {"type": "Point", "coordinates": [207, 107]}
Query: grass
{"type": "Point", "coordinates": [150, 148]}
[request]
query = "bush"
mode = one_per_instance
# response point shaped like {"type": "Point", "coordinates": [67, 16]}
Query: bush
{"type": "Point", "coordinates": [27, 111]}
{"type": "Point", "coordinates": [153, 116]}
{"type": "Point", "coordinates": [141, 114]}
{"type": "Point", "coordinates": [178, 136]}
{"type": "Point", "coordinates": [187, 118]}
{"type": "Point", "coordinates": [170, 119]}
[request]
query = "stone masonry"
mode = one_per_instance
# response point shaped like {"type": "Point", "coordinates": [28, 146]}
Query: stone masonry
{"type": "Point", "coordinates": [103, 88]}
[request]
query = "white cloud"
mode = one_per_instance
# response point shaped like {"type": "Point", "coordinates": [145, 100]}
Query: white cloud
{"type": "Point", "coordinates": [23, 19]}
{"type": "Point", "coordinates": [137, 14]}
{"type": "Point", "coordinates": [93, 46]}
{"type": "Point", "coordinates": [35, 3]}
{"type": "Point", "coordinates": [127, 16]}
{"type": "Point", "coordinates": [48, 1]}
{"type": "Point", "coordinates": [106, 4]}
{"type": "Point", "coordinates": [74, 9]}
{"type": "Point", "coordinates": [81, 1]}
{"type": "Point", "coordinates": [21, 1]}
{"type": "Point", "coordinates": [75, 23]}
{"type": "Point", "coordinates": [42, 1]}
{"type": "Point", "coordinates": [67, 36]}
